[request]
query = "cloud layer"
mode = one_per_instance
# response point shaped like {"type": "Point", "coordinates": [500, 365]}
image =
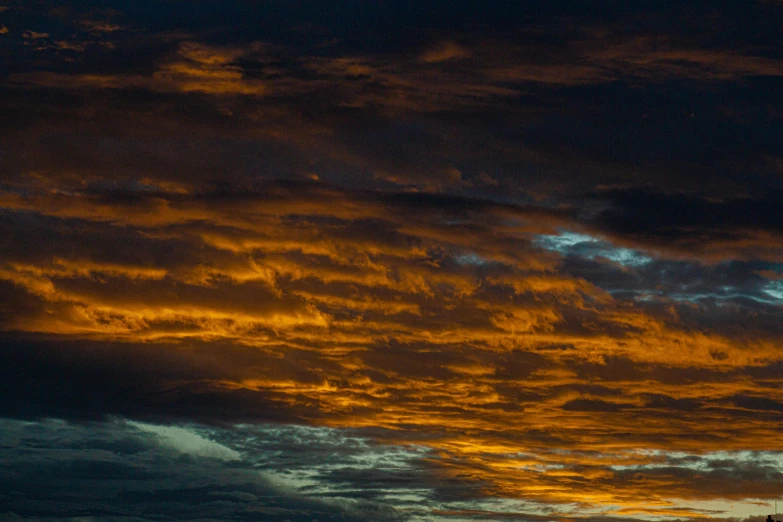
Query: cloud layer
{"type": "Point", "coordinates": [526, 258]}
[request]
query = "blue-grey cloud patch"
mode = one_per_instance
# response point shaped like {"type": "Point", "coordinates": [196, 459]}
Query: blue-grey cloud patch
{"type": "Point", "coordinates": [589, 247]}
{"type": "Point", "coordinates": [115, 470]}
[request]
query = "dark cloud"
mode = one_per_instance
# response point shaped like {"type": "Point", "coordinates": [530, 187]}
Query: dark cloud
{"type": "Point", "coordinates": [693, 222]}
{"type": "Point", "coordinates": [119, 471]}
{"type": "Point", "coordinates": [89, 381]}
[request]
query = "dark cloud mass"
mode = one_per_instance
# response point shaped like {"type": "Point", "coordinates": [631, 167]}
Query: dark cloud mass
{"type": "Point", "coordinates": [419, 261]}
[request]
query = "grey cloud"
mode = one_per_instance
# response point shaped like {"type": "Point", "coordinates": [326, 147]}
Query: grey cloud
{"type": "Point", "coordinates": [55, 470]}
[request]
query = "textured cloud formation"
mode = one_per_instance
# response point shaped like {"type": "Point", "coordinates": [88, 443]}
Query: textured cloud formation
{"type": "Point", "coordinates": [131, 471]}
{"type": "Point", "coordinates": [386, 263]}
{"type": "Point", "coordinates": [122, 472]}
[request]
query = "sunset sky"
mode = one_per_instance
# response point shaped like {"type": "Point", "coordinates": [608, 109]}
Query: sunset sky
{"type": "Point", "coordinates": [374, 260]}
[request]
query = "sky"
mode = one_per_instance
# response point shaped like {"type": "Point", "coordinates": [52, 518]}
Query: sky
{"type": "Point", "coordinates": [401, 260]}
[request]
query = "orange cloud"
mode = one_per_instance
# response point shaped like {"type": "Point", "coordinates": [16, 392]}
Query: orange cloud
{"type": "Point", "coordinates": [195, 68]}
{"type": "Point", "coordinates": [33, 35]}
{"type": "Point", "coordinates": [436, 318]}
{"type": "Point", "coordinates": [443, 52]}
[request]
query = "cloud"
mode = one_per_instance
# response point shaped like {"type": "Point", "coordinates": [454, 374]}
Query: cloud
{"type": "Point", "coordinates": [732, 227]}
{"type": "Point", "coordinates": [119, 469]}
{"type": "Point", "coordinates": [70, 46]}
{"type": "Point", "coordinates": [443, 52]}
{"type": "Point", "coordinates": [33, 35]}
{"type": "Point", "coordinates": [119, 472]}
{"type": "Point", "coordinates": [445, 319]}
{"type": "Point", "coordinates": [195, 68]}
{"type": "Point", "coordinates": [185, 441]}
{"type": "Point", "coordinates": [533, 274]}
{"type": "Point", "coordinates": [100, 26]}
